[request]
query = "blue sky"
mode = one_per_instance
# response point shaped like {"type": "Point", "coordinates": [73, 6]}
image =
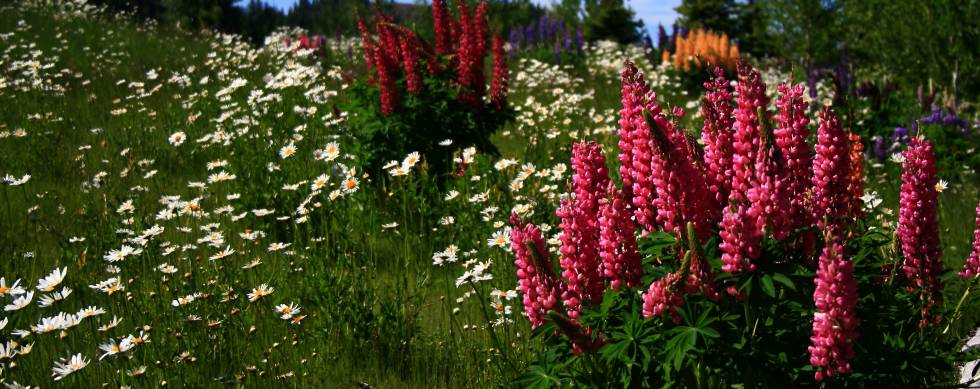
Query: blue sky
{"type": "Point", "coordinates": [651, 11]}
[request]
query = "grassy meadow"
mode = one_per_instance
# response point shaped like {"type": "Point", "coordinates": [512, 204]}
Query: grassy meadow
{"type": "Point", "coordinates": [196, 199]}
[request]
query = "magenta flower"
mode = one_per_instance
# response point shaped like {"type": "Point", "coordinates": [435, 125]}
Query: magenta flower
{"type": "Point", "coordinates": [751, 98]}
{"type": "Point", "coordinates": [835, 322]}
{"type": "Point", "coordinates": [972, 266]}
{"type": "Point", "coordinates": [536, 279]}
{"type": "Point", "coordinates": [717, 135]}
{"type": "Point", "coordinates": [580, 228]}
{"type": "Point", "coordinates": [617, 242]}
{"type": "Point", "coordinates": [855, 186]}
{"type": "Point", "coordinates": [441, 22]}
{"type": "Point", "coordinates": [918, 231]}
{"type": "Point", "coordinates": [682, 194]}
{"type": "Point", "coordinates": [769, 196]}
{"type": "Point", "coordinates": [791, 133]}
{"type": "Point", "coordinates": [410, 62]}
{"type": "Point", "coordinates": [501, 74]}
{"type": "Point", "coordinates": [831, 173]}
{"type": "Point", "coordinates": [740, 240]}
{"type": "Point", "coordinates": [663, 296]}
{"type": "Point", "coordinates": [636, 148]}
{"type": "Point", "coordinates": [386, 78]}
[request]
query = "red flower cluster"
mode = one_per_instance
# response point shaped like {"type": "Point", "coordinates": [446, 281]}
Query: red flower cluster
{"type": "Point", "coordinates": [579, 226]}
{"type": "Point", "coordinates": [636, 148]}
{"type": "Point", "coordinates": [831, 173]}
{"type": "Point", "coordinates": [855, 184]}
{"type": "Point", "coordinates": [668, 186]}
{"type": "Point", "coordinates": [664, 295]}
{"type": "Point", "coordinates": [410, 58]}
{"type": "Point", "coordinates": [307, 42]}
{"type": "Point", "coordinates": [748, 128]}
{"type": "Point", "coordinates": [755, 180]}
{"type": "Point", "coordinates": [617, 242]}
{"type": "Point", "coordinates": [536, 279]}
{"type": "Point", "coordinates": [501, 74]}
{"type": "Point", "coordinates": [469, 60]}
{"type": "Point", "coordinates": [972, 266]}
{"type": "Point", "coordinates": [716, 108]}
{"type": "Point", "coordinates": [743, 220]}
{"type": "Point", "coordinates": [769, 194]}
{"type": "Point", "coordinates": [391, 47]}
{"type": "Point", "coordinates": [918, 230]}
{"type": "Point", "coordinates": [443, 33]}
{"type": "Point", "coordinates": [740, 244]}
{"type": "Point", "coordinates": [835, 322]}
{"type": "Point", "coordinates": [791, 133]}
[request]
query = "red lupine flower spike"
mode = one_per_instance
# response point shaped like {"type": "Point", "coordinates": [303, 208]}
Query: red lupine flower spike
{"type": "Point", "coordinates": [537, 282]}
{"type": "Point", "coordinates": [918, 230]}
{"type": "Point", "coordinates": [579, 226]}
{"type": "Point", "coordinates": [791, 134]}
{"type": "Point", "coordinates": [751, 96]}
{"type": "Point", "coordinates": [855, 183]}
{"type": "Point", "coordinates": [635, 145]}
{"type": "Point", "coordinates": [617, 242]}
{"type": "Point", "coordinates": [835, 322]}
{"type": "Point", "coordinates": [717, 135]}
{"type": "Point", "coordinates": [664, 296]}
{"type": "Point", "coordinates": [831, 173]}
{"type": "Point", "coordinates": [740, 239]}
{"type": "Point", "coordinates": [410, 62]}
{"type": "Point", "coordinates": [386, 82]}
{"type": "Point", "coordinates": [682, 193]}
{"type": "Point", "coordinates": [972, 266]}
{"type": "Point", "coordinates": [769, 195]}
{"type": "Point", "coordinates": [440, 19]}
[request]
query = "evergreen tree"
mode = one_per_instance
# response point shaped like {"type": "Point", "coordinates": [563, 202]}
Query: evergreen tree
{"type": "Point", "coordinates": [223, 15]}
{"type": "Point", "coordinates": [260, 20]}
{"type": "Point", "coordinates": [714, 15]}
{"type": "Point", "coordinates": [610, 19]}
{"type": "Point", "coordinates": [754, 33]}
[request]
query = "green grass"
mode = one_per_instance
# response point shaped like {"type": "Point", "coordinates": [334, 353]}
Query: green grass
{"type": "Point", "coordinates": [377, 310]}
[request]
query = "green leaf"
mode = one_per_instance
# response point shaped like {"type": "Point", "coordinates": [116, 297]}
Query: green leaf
{"type": "Point", "coordinates": [783, 279]}
{"type": "Point", "coordinates": [710, 332]}
{"type": "Point", "coordinates": [767, 286]}
{"type": "Point", "coordinates": [609, 301]}
{"type": "Point", "coordinates": [678, 346]}
{"type": "Point", "coordinates": [537, 377]}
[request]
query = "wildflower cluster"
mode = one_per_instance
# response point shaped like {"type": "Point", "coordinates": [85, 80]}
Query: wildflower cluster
{"type": "Point", "coordinates": [391, 50]}
{"type": "Point", "coordinates": [417, 94]}
{"type": "Point", "coordinates": [769, 190]}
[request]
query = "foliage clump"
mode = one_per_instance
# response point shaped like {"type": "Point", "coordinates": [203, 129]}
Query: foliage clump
{"type": "Point", "coordinates": [421, 97]}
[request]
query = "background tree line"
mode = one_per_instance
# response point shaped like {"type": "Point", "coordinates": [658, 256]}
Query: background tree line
{"type": "Point", "coordinates": [255, 19]}
{"type": "Point", "coordinates": [929, 44]}
{"type": "Point", "coordinates": [918, 44]}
